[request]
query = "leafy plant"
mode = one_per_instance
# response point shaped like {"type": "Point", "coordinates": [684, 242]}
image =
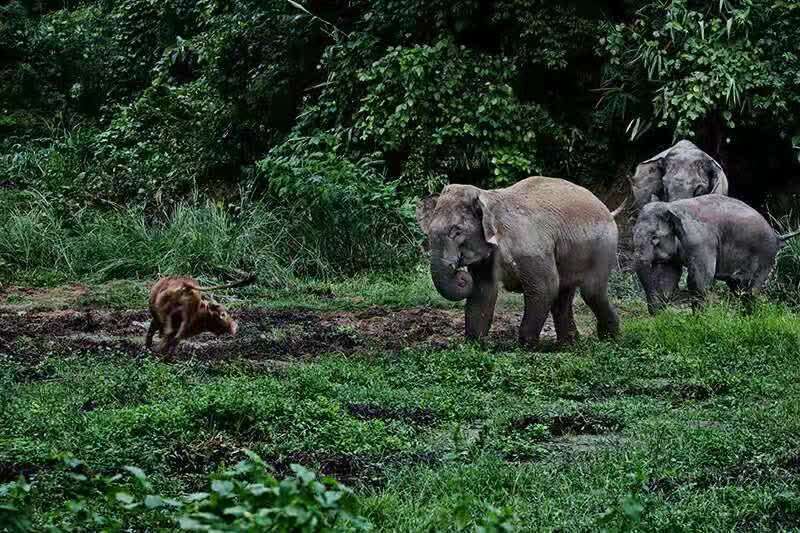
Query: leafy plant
{"type": "Point", "coordinates": [245, 498]}
{"type": "Point", "coordinates": [450, 111]}
{"type": "Point", "coordinates": [710, 65]}
{"type": "Point", "coordinates": [348, 203]}
{"type": "Point", "coordinates": [248, 498]}
{"type": "Point", "coordinates": [14, 507]}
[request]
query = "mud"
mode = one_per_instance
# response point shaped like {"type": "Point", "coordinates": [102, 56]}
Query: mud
{"type": "Point", "coordinates": [792, 464]}
{"type": "Point", "coordinates": [200, 457]}
{"type": "Point", "coordinates": [675, 392]}
{"type": "Point", "coordinates": [413, 416]}
{"type": "Point", "coordinates": [263, 334]}
{"type": "Point", "coordinates": [575, 424]}
{"type": "Point", "coordinates": [31, 299]}
{"type": "Point", "coordinates": [12, 471]}
{"type": "Point", "coordinates": [352, 469]}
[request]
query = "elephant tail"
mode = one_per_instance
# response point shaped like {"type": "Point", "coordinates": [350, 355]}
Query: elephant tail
{"type": "Point", "coordinates": [620, 209]}
{"type": "Point", "coordinates": [788, 236]}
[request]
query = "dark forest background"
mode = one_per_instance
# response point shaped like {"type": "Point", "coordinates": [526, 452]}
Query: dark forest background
{"type": "Point", "coordinates": [308, 128]}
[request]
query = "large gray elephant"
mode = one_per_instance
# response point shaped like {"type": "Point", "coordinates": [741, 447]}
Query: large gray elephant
{"type": "Point", "coordinates": [682, 171]}
{"type": "Point", "coordinates": [713, 236]}
{"type": "Point", "coordinates": [543, 237]}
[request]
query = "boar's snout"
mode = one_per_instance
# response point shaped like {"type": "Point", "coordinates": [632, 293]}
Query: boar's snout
{"type": "Point", "coordinates": [220, 321]}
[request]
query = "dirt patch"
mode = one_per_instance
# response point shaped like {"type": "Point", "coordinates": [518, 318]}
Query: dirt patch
{"type": "Point", "coordinates": [203, 456]}
{"type": "Point", "coordinates": [411, 415]}
{"type": "Point", "coordinates": [667, 389]}
{"type": "Point", "coordinates": [792, 464]}
{"type": "Point", "coordinates": [665, 486]}
{"type": "Point", "coordinates": [64, 323]}
{"type": "Point", "coordinates": [574, 424]}
{"type": "Point", "coordinates": [263, 334]}
{"type": "Point", "coordinates": [14, 299]}
{"type": "Point", "coordinates": [701, 391]}
{"type": "Point", "coordinates": [11, 471]}
{"type": "Point", "coordinates": [352, 469]}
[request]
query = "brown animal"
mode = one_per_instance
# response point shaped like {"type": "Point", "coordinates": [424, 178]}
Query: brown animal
{"type": "Point", "coordinates": [180, 310]}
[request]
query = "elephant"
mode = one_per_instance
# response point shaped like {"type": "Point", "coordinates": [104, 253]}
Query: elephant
{"type": "Point", "coordinates": [543, 237]}
{"type": "Point", "coordinates": [682, 171]}
{"type": "Point", "coordinates": [713, 236]}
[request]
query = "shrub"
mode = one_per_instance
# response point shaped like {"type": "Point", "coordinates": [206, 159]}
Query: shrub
{"type": "Point", "coordinates": [15, 512]}
{"type": "Point", "coordinates": [784, 284]}
{"type": "Point", "coordinates": [158, 149]}
{"type": "Point", "coordinates": [450, 111]}
{"type": "Point", "coordinates": [245, 498]}
{"type": "Point", "coordinates": [57, 170]}
{"type": "Point", "coordinates": [249, 498]}
{"type": "Point", "coordinates": [350, 212]}
{"type": "Point", "coordinates": [195, 238]}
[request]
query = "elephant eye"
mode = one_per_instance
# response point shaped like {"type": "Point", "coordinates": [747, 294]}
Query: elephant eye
{"type": "Point", "coordinates": [699, 190]}
{"type": "Point", "coordinates": [455, 232]}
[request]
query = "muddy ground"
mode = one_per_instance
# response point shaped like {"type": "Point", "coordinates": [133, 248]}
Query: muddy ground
{"type": "Point", "coordinates": [277, 335]}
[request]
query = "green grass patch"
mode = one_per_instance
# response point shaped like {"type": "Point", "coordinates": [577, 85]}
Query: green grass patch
{"type": "Point", "coordinates": [688, 421]}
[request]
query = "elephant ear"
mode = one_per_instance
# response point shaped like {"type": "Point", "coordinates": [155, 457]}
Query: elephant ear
{"type": "Point", "coordinates": [677, 225]}
{"type": "Point", "coordinates": [646, 183]}
{"type": "Point", "coordinates": [425, 208]}
{"type": "Point", "coordinates": [687, 230]}
{"type": "Point", "coordinates": [717, 180]}
{"type": "Point", "coordinates": [484, 205]}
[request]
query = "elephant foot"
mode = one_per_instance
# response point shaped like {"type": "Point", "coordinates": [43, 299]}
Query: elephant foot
{"type": "Point", "coordinates": [567, 339]}
{"type": "Point", "coordinates": [479, 342]}
{"type": "Point", "coordinates": [529, 343]}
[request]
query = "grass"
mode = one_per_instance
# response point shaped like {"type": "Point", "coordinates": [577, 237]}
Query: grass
{"type": "Point", "coordinates": [39, 245]}
{"type": "Point", "coordinates": [412, 288]}
{"type": "Point", "coordinates": [686, 422]}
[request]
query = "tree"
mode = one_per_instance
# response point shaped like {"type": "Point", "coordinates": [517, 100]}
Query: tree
{"type": "Point", "coordinates": [704, 69]}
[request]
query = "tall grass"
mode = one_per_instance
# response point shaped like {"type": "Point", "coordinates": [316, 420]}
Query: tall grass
{"type": "Point", "coordinates": [784, 284]}
{"type": "Point", "coordinates": [193, 239]}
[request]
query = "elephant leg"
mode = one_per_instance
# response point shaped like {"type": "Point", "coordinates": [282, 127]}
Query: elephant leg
{"type": "Point", "coordinates": [479, 310]}
{"type": "Point", "coordinates": [699, 280]}
{"type": "Point", "coordinates": [660, 282]}
{"type": "Point", "coordinates": [595, 294]}
{"type": "Point", "coordinates": [540, 286]}
{"type": "Point", "coordinates": [563, 317]}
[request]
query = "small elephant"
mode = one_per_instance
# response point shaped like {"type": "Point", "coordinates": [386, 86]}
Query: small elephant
{"type": "Point", "coordinates": [682, 171]}
{"type": "Point", "coordinates": [543, 237]}
{"type": "Point", "coordinates": [713, 236]}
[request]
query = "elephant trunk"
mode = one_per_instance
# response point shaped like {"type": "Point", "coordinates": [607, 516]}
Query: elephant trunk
{"type": "Point", "coordinates": [453, 284]}
{"type": "Point", "coordinates": [660, 281]}
{"type": "Point", "coordinates": [646, 276]}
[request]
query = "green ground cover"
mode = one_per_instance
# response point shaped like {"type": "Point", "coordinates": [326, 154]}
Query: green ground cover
{"type": "Point", "coordinates": [686, 422]}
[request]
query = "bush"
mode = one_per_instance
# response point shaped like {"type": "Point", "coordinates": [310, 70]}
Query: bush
{"type": "Point", "coordinates": [57, 170]}
{"type": "Point", "coordinates": [161, 147]}
{"type": "Point", "coordinates": [443, 111]}
{"type": "Point", "coordinates": [350, 212]}
{"type": "Point", "coordinates": [784, 284]}
{"type": "Point", "coordinates": [196, 238]}
{"type": "Point", "coordinates": [245, 498]}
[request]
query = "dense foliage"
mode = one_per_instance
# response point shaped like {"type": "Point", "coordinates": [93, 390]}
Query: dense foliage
{"type": "Point", "coordinates": [339, 114]}
{"type": "Point", "coordinates": [246, 497]}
